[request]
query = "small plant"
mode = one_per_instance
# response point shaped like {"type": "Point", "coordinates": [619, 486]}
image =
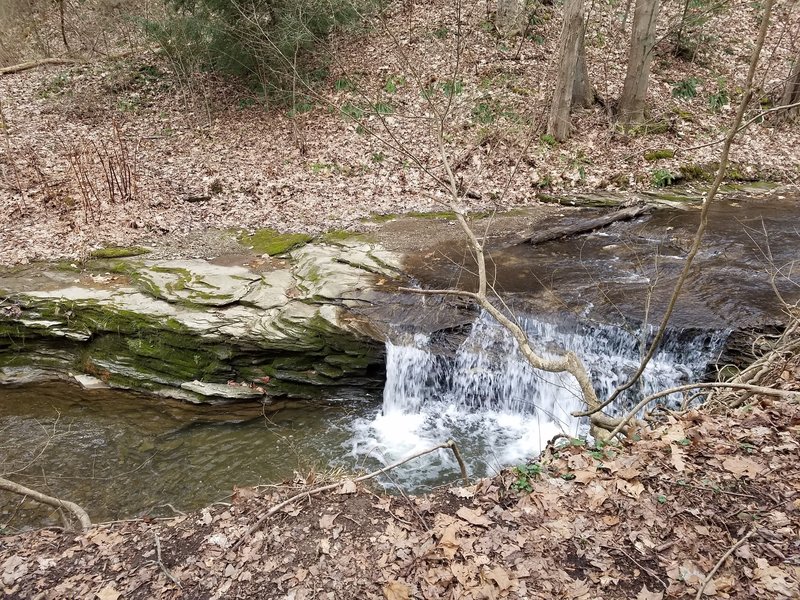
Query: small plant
{"type": "Point", "coordinates": [378, 157]}
{"type": "Point", "coordinates": [524, 475]}
{"type": "Point", "coordinates": [393, 83]}
{"type": "Point", "coordinates": [545, 182]}
{"type": "Point", "coordinates": [685, 88]}
{"type": "Point", "coordinates": [549, 140]}
{"type": "Point", "coordinates": [453, 88]}
{"type": "Point", "coordinates": [663, 178]}
{"type": "Point", "coordinates": [441, 33]}
{"type": "Point", "coordinates": [483, 114]}
{"type": "Point", "coordinates": [353, 112]}
{"type": "Point", "coordinates": [343, 84]}
{"type": "Point", "coordinates": [719, 98]}
{"type": "Point", "coordinates": [56, 86]}
{"type": "Point", "coordinates": [300, 107]}
{"type": "Point", "coordinates": [383, 108]}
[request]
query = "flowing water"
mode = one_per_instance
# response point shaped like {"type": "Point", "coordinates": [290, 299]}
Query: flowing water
{"type": "Point", "coordinates": [496, 406]}
{"type": "Point", "coordinates": [122, 455]}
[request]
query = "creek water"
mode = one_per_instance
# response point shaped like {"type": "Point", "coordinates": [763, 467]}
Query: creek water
{"type": "Point", "coordinates": [122, 455]}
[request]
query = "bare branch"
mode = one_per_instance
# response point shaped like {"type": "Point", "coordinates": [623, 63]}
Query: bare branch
{"type": "Point", "coordinates": [701, 228]}
{"type": "Point", "coordinates": [450, 444]}
{"type": "Point", "coordinates": [16, 488]}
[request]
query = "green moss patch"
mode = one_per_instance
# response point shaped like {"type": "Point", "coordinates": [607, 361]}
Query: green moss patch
{"type": "Point", "coordinates": [659, 154]}
{"type": "Point", "coordinates": [341, 235]}
{"type": "Point", "coordinates": [272, 242]}
{"type": "Point", "coordinates": [119, 252]}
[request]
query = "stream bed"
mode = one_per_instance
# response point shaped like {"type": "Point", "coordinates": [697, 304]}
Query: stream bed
{"type": "Point", "coordinates": [121, 455]}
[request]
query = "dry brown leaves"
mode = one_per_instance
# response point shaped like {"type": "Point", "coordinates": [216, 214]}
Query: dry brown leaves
{"type": "Point", "coordinates": [647, 521]}
{"type": "Point", "coordinates": [253, 168]}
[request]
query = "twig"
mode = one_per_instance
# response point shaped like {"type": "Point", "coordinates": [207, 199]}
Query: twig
{"type": "Point", "coordinates": [164, 568]}
{"type": "Point", "coordinates": [713, 572]}
{"type": "Point", "coordinates": [744, 125]}
{"type": "Point", "coordinates": [757, 389]}
{"type": "Point", "coordinates": [643, 568]}
{"type": "Point", "coordinates": [450, 444]}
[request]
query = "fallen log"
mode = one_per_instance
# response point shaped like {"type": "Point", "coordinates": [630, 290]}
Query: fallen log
{"type": "Point", "coordinates": [33, 64]}
{"type": "Point", "coordinates": [557, 233]}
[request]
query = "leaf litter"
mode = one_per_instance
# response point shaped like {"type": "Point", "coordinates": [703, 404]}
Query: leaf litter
{"type": "Point", "coordinates": [651, 523]}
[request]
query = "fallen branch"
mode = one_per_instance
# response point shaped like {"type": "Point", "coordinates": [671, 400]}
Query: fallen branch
{"type": "Point", "coordinates": [586, 226]}
{"type": "Point", "coordinates": [15, 488]}
{"type": "Point", "coordinates": [756, 389]}
{"type": "Point", "coordinates": [34, 64]}
{"type": "Point", "coordinates": [450, 444]}
{"type": "Point", "coordinates": [725, 556]}
{"type": "Point", "coordinates": [161, 564]}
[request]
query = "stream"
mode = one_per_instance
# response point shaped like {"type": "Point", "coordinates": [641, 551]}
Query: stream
{"type": "Point", "coordinates": [122, 455]}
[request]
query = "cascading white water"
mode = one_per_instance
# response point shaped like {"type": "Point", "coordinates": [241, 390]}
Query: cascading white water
{"type": "Point", "coordinates": [495, 405]}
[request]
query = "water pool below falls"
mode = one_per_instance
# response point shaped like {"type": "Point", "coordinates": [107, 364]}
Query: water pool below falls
{"type": "Point", "coordinates": [122, 455]}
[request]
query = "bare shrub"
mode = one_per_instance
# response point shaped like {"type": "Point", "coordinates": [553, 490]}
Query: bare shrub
{"type": "Point", "coordinates": [103, 172]}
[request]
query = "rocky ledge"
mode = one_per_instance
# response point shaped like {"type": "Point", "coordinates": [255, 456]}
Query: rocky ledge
{"type": "Point", "coordinates": [236, 328]}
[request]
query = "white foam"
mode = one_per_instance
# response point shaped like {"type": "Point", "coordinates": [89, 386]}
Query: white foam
{"type": "Point", "coordinates": [498, 408]}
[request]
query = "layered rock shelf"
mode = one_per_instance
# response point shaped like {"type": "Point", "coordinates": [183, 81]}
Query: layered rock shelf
{"type": "Point", "coordinates": [200, 330]}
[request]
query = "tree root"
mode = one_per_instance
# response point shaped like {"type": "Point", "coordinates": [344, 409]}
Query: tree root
{"type": "Point", "coordinates": [80, 514]}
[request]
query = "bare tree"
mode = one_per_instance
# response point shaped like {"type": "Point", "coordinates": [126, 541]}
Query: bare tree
{"type": "Point", "coordinates": [791, 92]}
{"type": "Point", "coordinates": [632, 103]}
{"type": "Point", "coordinates": [572, 82]}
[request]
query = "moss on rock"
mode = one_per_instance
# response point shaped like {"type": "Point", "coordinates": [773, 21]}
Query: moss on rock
{"type": "Point", "coordinates": [661, 153]}
{"type": "Point", "coordinates": [119, 252]}
{"type": "Point", "coordinates": [273, 242]}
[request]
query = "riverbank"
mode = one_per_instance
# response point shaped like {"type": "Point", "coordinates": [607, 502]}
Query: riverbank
{"type": "Point", "coordinates": [650, 520]}
{"type": "Point", "coordinates": [194, 152]}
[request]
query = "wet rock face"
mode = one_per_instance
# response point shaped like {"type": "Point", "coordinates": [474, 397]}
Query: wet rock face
{"type": "Point", "coordinates": [184, 329]}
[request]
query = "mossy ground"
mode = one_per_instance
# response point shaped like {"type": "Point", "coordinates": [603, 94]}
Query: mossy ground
{"type": "Point", "coordinates": [119, 252]}
{"type": "Point", "coordinates": [272, 242]}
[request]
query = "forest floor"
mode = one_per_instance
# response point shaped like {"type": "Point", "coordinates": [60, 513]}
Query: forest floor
{"type": "Point", "coordinates": [191, 152]}
{"type": "Point", "coordinates": [705, 499]}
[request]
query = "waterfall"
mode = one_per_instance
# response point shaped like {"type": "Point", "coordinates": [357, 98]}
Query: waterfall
{"type": "Point", "coordinates": [500, 409]}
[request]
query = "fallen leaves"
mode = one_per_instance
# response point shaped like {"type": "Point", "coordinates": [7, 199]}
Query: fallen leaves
{"type": "Point", "coordinates": [396, 590]}
{"type": "Point", "coordinates": [473, 517]}
{"type": "Point", "coordinates": [650, 523]}
{"type": "Point", "coordinates": [742, 466]}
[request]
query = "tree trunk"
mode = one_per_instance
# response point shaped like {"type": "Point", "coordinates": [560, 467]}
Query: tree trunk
{"type": "Point", "coordinates": [510, 18]}
{"type": "Point", "coordinates": [572, 81]}
{"type": "Point", "coordinates": [631, 104]}
{"type": "Point", "coordinates": [61, 20]}
{"type": "Point", "coordinates": [791, 93]}
{"type": "Point", "coordinates": [582, 91]}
